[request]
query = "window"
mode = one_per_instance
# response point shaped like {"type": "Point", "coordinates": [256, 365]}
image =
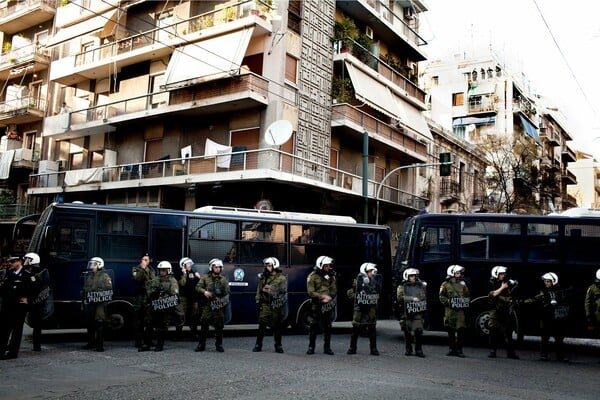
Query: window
{"type": "Point", "coordinates": [291, 68]}
{"type": "Point", "coordinates": [542, 243]}
{"type": "Point", "coordinates": [209, 238]}
{"type": "Point", "coordinates": [459, 131]}
{"type": "Point", "coordinates": [120, 235]}
{"type": "Point", "coordinates": [435, 80]}
{"type": "Point", "coordinates": [435, 243]}
{"type": "Point", "coordinates": [71, 240]}
{"type": "Point", "coordinates": [458, 99]}
{"type": "Point", "coordinates": [490, 240]}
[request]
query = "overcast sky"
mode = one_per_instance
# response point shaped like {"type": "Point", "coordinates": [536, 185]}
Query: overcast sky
{"type": "Point", "coordinates": [555, 43]}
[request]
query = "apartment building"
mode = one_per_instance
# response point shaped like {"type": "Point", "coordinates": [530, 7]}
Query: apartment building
{"type": "Point", "coordinates": [484, 103]}
{"type": "Point", "coordinates": [587, 172]}
{"type": "Point", "coordinates": [25, 26]}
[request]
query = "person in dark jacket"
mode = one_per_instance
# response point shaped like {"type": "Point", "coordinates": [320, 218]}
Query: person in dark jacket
{"type": "Point", "coordinates": [501, 319]}
{"type": "Point", "coordinates": [188, 296]}
{"type": "Point", "coordinates": [16, 290]}
{"type": "Point", "coordinates": [141, 274]}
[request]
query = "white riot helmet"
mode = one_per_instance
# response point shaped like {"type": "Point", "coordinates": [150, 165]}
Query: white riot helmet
{"type": "Point", "coordinates": [273, 261]}
{"type": "Point", "coordinates": [598, 274]}
{"type": "Point", "coordinates": [550, 276]}
{"type": "Point", "coordinates": [165, 265]}
{"type": "Point", "coordinates": [95, 262]}
{"type": "Point", "coordinates": [497, 270]}
{"type": "Point", "coordinates": [410, 271]}
{"type": "Point", "coordinates": [186, 261]}
{"type": "Point", "coordinates": [366, 267]}
{"type": "Point", "coordinates": [323, 260]}
{"type": "Point", "coordinates": [33, 257]}
{"type": "Point", "coordinates": [454, 269]}
{"type": "Point", "coordinates": [215, 262]}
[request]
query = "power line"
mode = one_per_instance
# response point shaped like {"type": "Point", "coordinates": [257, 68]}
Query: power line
{"type": "Point", "coordinates": [596, 115]}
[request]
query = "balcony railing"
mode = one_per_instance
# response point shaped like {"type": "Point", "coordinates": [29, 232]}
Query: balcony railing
{"type": "Point", "coordinates": [14, 211]}
{"type": "Point", "coordinates": [181, 171]}
{"type": "Point", "coordinates": [21, 55]}
{"type": "Point", "coordinates": [398, 23]}
{"type": "Point", "coordinates": [387, 71]}
{"type": "Point", "coordinates": [11, 108]}
{"type": "Point", "coordinates": [165, 33]}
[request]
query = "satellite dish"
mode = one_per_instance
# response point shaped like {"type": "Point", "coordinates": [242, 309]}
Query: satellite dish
{"type": "Point", "coordinates": [279, 132]}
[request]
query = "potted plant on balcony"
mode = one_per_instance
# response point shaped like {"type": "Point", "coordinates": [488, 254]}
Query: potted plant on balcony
{"type": "Point", "coordinates": [345, 32]}
{"type": "Point", "coordinates": [342, 90]}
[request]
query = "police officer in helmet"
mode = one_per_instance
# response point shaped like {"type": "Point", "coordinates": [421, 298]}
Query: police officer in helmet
{"type": "Point", "coordinates": [322, 289]}
{"type": "Point", "coordinates": [412, 301]}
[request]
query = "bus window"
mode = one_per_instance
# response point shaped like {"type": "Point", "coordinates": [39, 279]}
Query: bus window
{"type": "Point", "coordinates": [71, 240]}
{"type": "Point", "coordinates": [542, 243]}
{"type": "Point", "coordinates": [490, 240]}
{"type": "Point", "coordinates": [120, 235]}
{"type": "Point", "coordinates": [262, 240]}
{"type": "Point", "coordinates": [582, 243]}
{"type": "Point", "coordinates": [436, 243]}
{"type": "Point", "coordinates": [209, 238]}
{"type": "Point", "coordinates": [310, 241]}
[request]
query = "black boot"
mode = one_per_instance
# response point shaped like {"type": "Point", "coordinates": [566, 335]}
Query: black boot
{"type": "Point", "coordinates": [312, 338]}
{"type": "Point", "coordinates": [452, 343]}
{"type": "Point", "coordinates": [418, 344]}
{"type": "Point", "coordinates": [37, 339]}
{"type": "Point", "coordinates": [327, 343]}
{"type": "Point", "coordinates": [147, 334]}
{"type": "Point", "coordinates": [460, 334]}
{"type": "Point", "coordinates": [353, 341]}
{"type": "Point", "coordinates": [160, 340]}
{"type": "Point", "coordinates": [259, 338]}
{"type": "Point", "coordinates": [373, 342]}
{"type": "Point", "coordinates": [277, 339]}
{"type": "Point", "coordinates": [408, 343]}
{"type": "Point", "coordinates": [219, 340]}
{"type": "Point", "coordinates": [100, 336]}
{"type": "Point", "coordinates": [202, 341]}
{"type": "Point", "coordinates": [90, 339]}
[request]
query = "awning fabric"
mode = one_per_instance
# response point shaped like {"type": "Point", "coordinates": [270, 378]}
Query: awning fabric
{"type": "Point", "coordinates": [381, 98]}
{"type": "Point", "coordinates": [100, 22]}
{"type": "Point", "coordinates": [530, 129]}
{"type": "Point", "coordinates": [413, 118]}
{"type": "Point", "coordinates": [373, 93]}
{"type": "Point", "coordinates": [481, 89]}
{"type": "Point", "coordinates": [208, 59]}
{"type": "Point", "coordinates": [474, 121]}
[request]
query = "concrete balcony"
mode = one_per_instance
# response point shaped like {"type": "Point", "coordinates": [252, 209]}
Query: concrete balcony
{"type": "Point", "coordinates": [22, 111]}
{"type": "Point", "coordinates": [568, 178]}
{"type": "Point", "coordinates": [568, 155]}
{"type": "Point", "coordinates": [23, 14]}
{"type": "Point", "coordinates": [351, 122]}
{"type": "Point", "coordinates": [265, 164]}
{"type": "Point", "coordinates": [549, 135]}
{"type": "Point", "coordinates": [242, 92]}
{"type": "Point", "coordinates": [389, 26]}
{"type": "Point", "coordinates": [152, 44]}
{"type": "Point", "coordinates": [27, 59]}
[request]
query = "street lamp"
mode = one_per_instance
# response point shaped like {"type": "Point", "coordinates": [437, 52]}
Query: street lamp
{"type": "Point", "coordinates": [380, 186]}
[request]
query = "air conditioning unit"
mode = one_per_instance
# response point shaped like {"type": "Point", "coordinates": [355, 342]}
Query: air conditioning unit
{"type": "Point", "coordinates": [369, 32]}
{"type": "Point", "coordinates": [409, 13]}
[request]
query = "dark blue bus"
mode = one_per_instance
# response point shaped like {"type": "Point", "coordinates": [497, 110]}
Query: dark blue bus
{"type": "Point", "coordinates": [68, 235]}
{"type": "Point", "coordinates": [529, 245]}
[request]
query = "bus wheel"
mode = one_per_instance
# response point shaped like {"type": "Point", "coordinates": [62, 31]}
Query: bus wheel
{"type": "Point", "coordinates": [481, 325]}
{"type": "Point", "coordinates": [119, 319]}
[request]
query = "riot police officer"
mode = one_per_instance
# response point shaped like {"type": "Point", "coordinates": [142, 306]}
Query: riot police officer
{"type": "Point", "coordinates": [322, 289]}
{"type": "Point", "coordinates": [97, 292]}
{"type": "Point", "coordinates": [500, 322]}
{"type": "Point", "coordinates": [412, 302]}
{"type": "Point", "coordinates": [39, 307]}
{"type": "Point", "coordinates": [554, 309]}
{"type": "Point", "coordinates": [16, 290]}
{"type": "Point", "coordinates": [455, 296]}
{"type": "Point", "coordinates": [365, 292]}
{"type": "Point", "coordinates": [141, 274]}
{"type": "Point", "coordinates": [163, 298]}
{"type": "Point", "coordinates": [592, 304]}
{"type": "Point", "coordinates": [271, 299]}
{"type": "Point", "coordinates": [189, 298]}
{"type": "Point", "coordinates": [214, 288]}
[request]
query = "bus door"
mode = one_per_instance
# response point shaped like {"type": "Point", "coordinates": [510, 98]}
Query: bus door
{"type": "Point", "coordinates": [65, 252]}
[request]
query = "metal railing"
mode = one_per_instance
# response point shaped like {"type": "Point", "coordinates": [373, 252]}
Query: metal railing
{"type": "Point", "coordinates": [23, 5]}
{"type": "Point", "coordinates": [182, 170]}
{"type": "Point", "coordinates": [14, 211]}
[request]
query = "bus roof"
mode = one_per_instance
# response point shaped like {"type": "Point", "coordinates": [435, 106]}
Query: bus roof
{"type": "Point", "coordinates": [275, 214]}
{"type": "Point", "coordinates": [230, 212]}
{"type": "Point", "coordinates": [514, 217]}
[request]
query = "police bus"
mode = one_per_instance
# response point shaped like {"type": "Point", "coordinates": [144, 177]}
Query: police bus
{"type": "Point", "coordinates": [528, 245]}
{"type": "Point", "coordinates": [67, 235]}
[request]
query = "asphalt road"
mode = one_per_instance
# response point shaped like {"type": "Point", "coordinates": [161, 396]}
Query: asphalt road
{"type": "Point", "coordinates": [64, 371]}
